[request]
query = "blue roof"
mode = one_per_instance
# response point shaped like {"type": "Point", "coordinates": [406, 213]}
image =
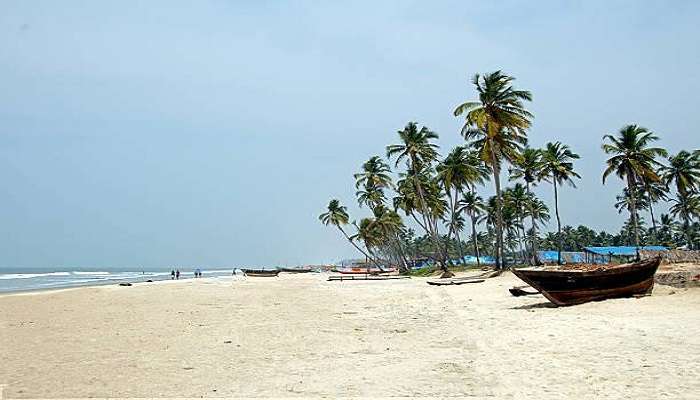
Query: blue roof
{"type": "Point", "coordinates": [566, 256]}
{"type": "Point", "coordinates": [621, 250]}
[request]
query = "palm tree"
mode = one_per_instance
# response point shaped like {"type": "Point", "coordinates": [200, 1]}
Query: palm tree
{"type": "Point", "coordinates": [684, 170]}
{"type": "Point", "coordinates": [687, 207]}
{"type": "Point", "coordinates": [497, 122]}
{"type": "Point", "coordinates": [518, 199]}
{"type": "Point", "coordinates": [473, 205]}
{"type": "Point", "coordinates": [558, 168]}
{"type": "Point", "coordinates": [528, 168]}
{"type": "Point", "coordinates": [459, 170]}
{"type": "Point", "coordinates": [632, 159]}
{"type": "Point", "coordinates": [337, 215]}
{"type": "Point", "coordinates": [667, 229]}
{"type": "Point", "coordinates": [654, 191]}
{"type": "Point", "coordinates": [419, 153]}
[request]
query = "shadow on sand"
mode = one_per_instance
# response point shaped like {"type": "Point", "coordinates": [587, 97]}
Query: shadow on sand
{"type": "Point", "coordinates": [545, 304]}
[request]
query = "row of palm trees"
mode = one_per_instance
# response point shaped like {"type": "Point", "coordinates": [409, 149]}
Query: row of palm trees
{"type": "Point", "coordinates": [441, 194]}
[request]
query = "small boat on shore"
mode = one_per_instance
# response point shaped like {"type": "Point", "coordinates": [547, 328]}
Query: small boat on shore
{"type": "Point", "coordinates": [296, 270]}
{"type": "Point", "coordinates": [261, 272]}
{"type": "Point", "coordinates": [583, 283]}
{"type": "Point", "coordinates": [357, 270]}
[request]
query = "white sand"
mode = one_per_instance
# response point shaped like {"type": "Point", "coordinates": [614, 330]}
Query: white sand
{"type": "Point", "coordinates": [300, 336]}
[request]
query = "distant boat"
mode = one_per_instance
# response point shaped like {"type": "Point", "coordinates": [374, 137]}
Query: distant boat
{"type": "Point", "coordinates": [296, 270]}
{"type": "Point", "coordinates": [565, 287]}
{"type": "Point", "coordinates": [261, 272]}
{"type": "Point", "coordinates": [364, 270]}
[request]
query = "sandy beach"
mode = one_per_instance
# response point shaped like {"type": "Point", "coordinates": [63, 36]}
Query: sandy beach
{"type": "Point", "coordinates": [300, 336]}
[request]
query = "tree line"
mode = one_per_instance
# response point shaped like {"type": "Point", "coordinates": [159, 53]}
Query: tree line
{"type": "Point", "coordinates": [427, 206]}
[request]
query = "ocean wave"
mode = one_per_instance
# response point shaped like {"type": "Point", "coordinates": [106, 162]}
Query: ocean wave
{"type": "Point", "coordinates": [90, 273]}
{"type": "Point", "coordinates": [28, 276]}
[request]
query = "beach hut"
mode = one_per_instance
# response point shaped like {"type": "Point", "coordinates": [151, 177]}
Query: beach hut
{"type": "Point", "coordinates": [606, 254]}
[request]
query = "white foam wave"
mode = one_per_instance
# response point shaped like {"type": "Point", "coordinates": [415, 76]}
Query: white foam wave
{"type": "Point", "coordinates": [28, 276]}
{"type": "Point", "coordinates": [90, 273]}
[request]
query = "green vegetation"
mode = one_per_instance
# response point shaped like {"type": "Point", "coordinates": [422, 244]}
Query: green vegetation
{"type": "Point", "coordinates": [427, 207]}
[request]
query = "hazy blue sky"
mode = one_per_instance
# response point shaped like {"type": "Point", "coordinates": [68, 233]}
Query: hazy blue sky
{"type": "Point", "coordinates": [214, 132]}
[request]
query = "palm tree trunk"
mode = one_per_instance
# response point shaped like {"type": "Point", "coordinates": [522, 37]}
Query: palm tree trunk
{"type": "Point", "coordinates": [475, 239]}
{"type": "Point", "coordinates": [633, 206]}
{"type": "Point", "coordinates": [533, 236]}
{"type": "Point", "coordinates": [459, 248]}
{"type": "Point", "coordinates": [358, 247]}
{"type": "Point", "coordinates": [428, 217]}
{"type": "Point", "coordinates": [500, 262]}
{"type": "Point", "coordinates": [556, 209]}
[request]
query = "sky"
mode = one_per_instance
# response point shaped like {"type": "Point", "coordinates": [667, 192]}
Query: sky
{"type": "Point", "coordinates": [213, 133]}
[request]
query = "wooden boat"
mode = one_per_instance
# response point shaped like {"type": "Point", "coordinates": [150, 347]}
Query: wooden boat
{"type": "Point", "coordinates": [261, 272]}
{"type": "Point", "coordinates": [565, 287]}
{"type": "Point", "coordinates": [296, 270]}
{"type": "Point", "coordinates": [364, 270]}
{"type": "Point", "coordinates": [445, 282]}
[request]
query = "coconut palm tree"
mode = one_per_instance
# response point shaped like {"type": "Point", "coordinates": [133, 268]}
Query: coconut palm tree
{"type": "Point", "coordinates": [686, 207]}
{"type": "Point", "coordinates": [497, 122]}
{"type": "Point", "coordinates": [461, 169]}
{"type": "Point", "coordinates": [684, 171]}
{"type": "Point", "coordinates": [337, 215]}
{"type": "Point", "coordinates": [654, 191]}
{"type": "Point", "coordinates": [667, 229]}
{"type": "Point", "coordinates": [528, 168]}
{"type": "Point", "coordinates": [472, 204]}
{"type": "Point", "coordinates": [632, 160]}
{"type": "Point", "coordinates": [557, 169]}
{"type": "Point", "coordinates": [518, 199]}
{"type": "Point", "coordinates": [418, 151]}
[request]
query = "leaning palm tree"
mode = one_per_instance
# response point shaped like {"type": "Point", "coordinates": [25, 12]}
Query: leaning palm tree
{"type": "Point", "coordinates": [632, 160]}
{"type": "Point", "coordinates": [417, 149]}
{"type": "Point", "coordinates": [337, 215]}
{"type": "Point", "coordinates": [528, 168]}
{"type": "Point", "coordinates": [558, 168]}
{"type": "Point", "coordinates": [498, 122]}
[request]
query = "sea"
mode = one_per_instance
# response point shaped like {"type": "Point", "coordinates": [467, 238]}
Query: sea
{"type": "Point", "coordinates": [61, 278]}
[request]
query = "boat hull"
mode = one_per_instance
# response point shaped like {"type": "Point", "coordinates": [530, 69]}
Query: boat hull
{"type": "Point", "coordinates": [296, 270]}
{"type": "Point", "coordinates": [566, 287]}
{"type": "Point", "coordinates": [363, 271]}
{"type": "Point", "coordinates": [261, 273]}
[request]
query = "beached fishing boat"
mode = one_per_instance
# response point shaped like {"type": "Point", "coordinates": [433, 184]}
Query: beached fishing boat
{"type": "Point", "coordinates": [296, 270]}
{"type": "Point", "coordinates": [580, 284]}
{"type": "Point", "coordinates": [261, 272]}
{"type": "Point", "coordinates": [364, 270]}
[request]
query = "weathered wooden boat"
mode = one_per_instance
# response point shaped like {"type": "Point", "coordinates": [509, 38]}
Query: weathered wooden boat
{"type": "Point", "coordinates": [296, 270]}
{"type": "Point", "coordinates": [565, 287]}
{"type": "Point", "coordinates": [448, 281]}
{"type": "Point", "coordinates": [261, 272]}
{"type": "Point", "coordinates": [357, 270]}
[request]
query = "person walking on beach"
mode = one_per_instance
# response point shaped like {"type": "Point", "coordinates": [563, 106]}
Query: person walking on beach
{"type": "Point", "coordinates": [177, 274]}
{"type": "Point", "coordinates": [172, 274]}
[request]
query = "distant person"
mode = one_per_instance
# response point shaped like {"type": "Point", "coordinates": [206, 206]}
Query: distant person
{"type": "Point", "coordinates": [177, 274]}
{"type": "Point", "coordinates": [172, 274]}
